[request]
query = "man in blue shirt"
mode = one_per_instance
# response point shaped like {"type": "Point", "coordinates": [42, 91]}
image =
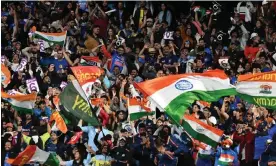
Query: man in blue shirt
{"type": "Point", "coordinates": [42, 110]}
{"type": "Point", "coordinates": [118, 59]}
{"type": "Point", "coordinates": [59, 61]}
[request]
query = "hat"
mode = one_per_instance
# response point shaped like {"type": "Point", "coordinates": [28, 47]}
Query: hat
{"type": "Point", "coordinates": [122, 139]}
{"type": "Point", "coordinates": [98, 81]}
{"type": "Point", "coordinates": [253, 35]}
{"type": "Point", "coordinates": [9, 125]}
{"type": "Point", "coordinates": [213, 120]}
{"type": "Point", "coordinates": [150, 19]}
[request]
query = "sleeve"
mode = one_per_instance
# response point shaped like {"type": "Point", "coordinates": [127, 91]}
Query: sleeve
{"type": "Point", "coordinates": [45, 137]}
{"type": "Point", "coordinates": [88, 159]}
{"type": "Point", "coordinates": [236, 161]}
{"type": "Point", "coordinates": [26, 139]}
{"type": "Point", "coordinates": [68, 163]}
{"type": "Point", "coordinates": [93, 160]}
{"type": "Point", "coordinates": [179, 147]}
{"type": "Point", "coordinates": [85, 128]}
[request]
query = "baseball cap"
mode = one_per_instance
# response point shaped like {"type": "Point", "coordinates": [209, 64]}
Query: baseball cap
{"type": "Point", "coordinates": [253, 35]}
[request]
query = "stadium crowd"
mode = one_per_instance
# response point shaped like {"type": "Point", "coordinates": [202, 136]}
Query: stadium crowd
{"type": "Point", "coordinates": [134, 42]}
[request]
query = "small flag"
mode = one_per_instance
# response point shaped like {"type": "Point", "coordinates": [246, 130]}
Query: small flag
{"type": "Point", "coordinates": [5, 75]}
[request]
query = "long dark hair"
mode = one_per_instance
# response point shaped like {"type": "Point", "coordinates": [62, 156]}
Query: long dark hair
{"type": "Point", "coordinates": [165, 12]}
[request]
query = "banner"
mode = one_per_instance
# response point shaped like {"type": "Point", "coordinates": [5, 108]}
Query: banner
{"type": "Point", "coordinates": [32, 85]}
{"type": "Point", "coordinates": [224, 63]}
{"type": "Point", "coordinates": [63, 85]}
{"type": "Point", "coordinates": [168, 35]}
{"type": "Point", "coordinates": [258, 89]}
{"type": "Point", "coordinates": [84, 73]}
{"type": "Point", "coordinates": [22, 64]}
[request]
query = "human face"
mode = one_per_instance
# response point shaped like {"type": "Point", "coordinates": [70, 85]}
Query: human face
{"type": "Point", "coordinates": [59, 55]}
{"type": "Point", "coordinates": [121, 51]}
{"type": "Point", "coordinates": [159, 123]}
{"type": "Point", "coordinates": [201, 43]}
{"type": "Point", "coordinates": [199, 63]}
{"type": "Point", "coordinates": [96, 30]}
{"type": "Point", "coordinates": [160, 73]}
{"type": "Point", "coordinates": [121, 116]}
{"type": "Point", "coordinates": [120, 6]}
{"type": "Point", "coordinates": [110, 32]}
{"type": "Point", "coordinates": [195, 108]}
{"type": "Point", "coordinates": [166, 50]}
{"type": "Point", "coordinates": [258, 24]}
{"type": "Point", "coordinates": [142, 130]}
{"type": "Point", "coordinates": [77, 155]}
{"type": "Point", "coordinates": [163, 7]}
{"type": "Point", "coordinates": [122, 143]}
{"type": "Point", "coordinates": [7, 146]}
{"type": "Point", "coordinates": [116, 70]}
{"type": "Point", "coordinates": [54, 136]}
{"type": "Point", "coordinates": [134, 73]}
{"type": "Point", "coordinates": [104, 149]}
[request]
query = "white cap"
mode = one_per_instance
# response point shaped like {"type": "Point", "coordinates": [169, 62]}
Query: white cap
{"type": "Point", "coordinates": [253, 35]}
{"type": "Point", "coordinates": [98, 81]}
{"type": "Point", "coordinates": [213, 120]}
{"type": "Point", "coordinates": [264, 2]}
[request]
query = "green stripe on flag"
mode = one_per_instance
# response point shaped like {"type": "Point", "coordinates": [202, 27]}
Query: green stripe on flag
{"type": "Point", "coordinates": [47, 40]}
{"type": "Point", "coordinates": [51, 161]}
{"type": "Point", "coordinates": [138, 115]}
{"type": "Point", "coordinates": [22, 110]}
{"type": "Point", "coordinates": [268, 102]}
{"type": "Point", "coordinates": [177, 107]}
{"type": "Point", "coordinates": [198, 136]}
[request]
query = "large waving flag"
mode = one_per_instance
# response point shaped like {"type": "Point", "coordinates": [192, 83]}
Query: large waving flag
{"type": "Point", "coordinates": [33, 154]}
{"type": "Point", "coordinates": [20, 102]}
{"type": "Point", "coordinates": [201, 131]}
{"type": "Point", "coordinates": [86, 76]}
{"type": "Point", "coordinates": [258, 89]}
{"type": "Point", "coordinates": [75, 102]}
{"type": "Point", "coordinates": [138, 109]}
{"type": "Point", "coordinates": [5, 75]}
{"type": "Point", "coordinates": [52, 38]}
{"type": "Point", "coordinates": [176, 93]}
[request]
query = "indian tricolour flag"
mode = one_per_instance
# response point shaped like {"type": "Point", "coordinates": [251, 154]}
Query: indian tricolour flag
{"type": "Point", "coordinates": [225, 159]}
{"type": "Point", "coordinates": [258, 89]}
{"type": "Point", "coordinates": [90, 61]}
{"type": "Point", "coordinates": [20, 102]}
{"type": "Point", "coordinates": [32, 154]}
{"type": "Point", "coordinates": [175, 93]}
{"type": "Point", "coordinates": [55, 38]}
{"type": "Point", "coordinates": [138, 110]}
{"type": "Point", "coordinates": [201, 131]}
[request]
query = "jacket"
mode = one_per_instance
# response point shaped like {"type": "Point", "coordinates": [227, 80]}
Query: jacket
{"type": "Point", "coordinates": [247, 141]}
{"type": "Point", "coordinates": [223, 156]}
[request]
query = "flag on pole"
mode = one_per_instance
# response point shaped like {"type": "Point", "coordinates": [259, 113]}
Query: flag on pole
{"type": "Point", "coordinates": [175, 93]}
{"type": "Point", "coordinates": [75, 102]}
{"type": "Point", "coordinates": [20, 102]}
{"type": "Point", "coordinates": [258, 89]}
{"type": "Point", "coordinates": [33, 154]}
{"type": "Point", "coordinates": [201, 131]}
